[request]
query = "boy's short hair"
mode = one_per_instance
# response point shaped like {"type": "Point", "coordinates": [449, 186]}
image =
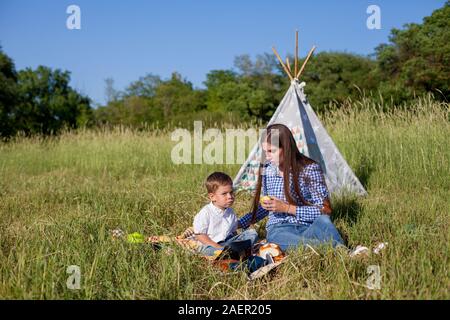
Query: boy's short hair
{"type": "Point", "coordinates": [217, 179]}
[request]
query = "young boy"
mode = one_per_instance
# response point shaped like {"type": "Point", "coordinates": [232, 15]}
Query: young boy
{"type": "Point", "coordinates": [216, 223]}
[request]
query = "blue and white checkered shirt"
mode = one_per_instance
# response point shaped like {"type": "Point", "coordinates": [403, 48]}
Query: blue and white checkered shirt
{"type": "Point", "coordinates": [314, 192]}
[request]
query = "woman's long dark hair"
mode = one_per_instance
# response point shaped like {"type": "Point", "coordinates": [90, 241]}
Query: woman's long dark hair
{"type": "Point", "coordinates": [293, 164]}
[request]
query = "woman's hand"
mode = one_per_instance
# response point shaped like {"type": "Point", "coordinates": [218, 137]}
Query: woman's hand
{"type": "Point", "coordinates": [277, 205]}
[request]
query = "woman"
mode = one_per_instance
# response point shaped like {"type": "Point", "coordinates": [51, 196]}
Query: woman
{"type": "Point", "coordinates": [299, 207]}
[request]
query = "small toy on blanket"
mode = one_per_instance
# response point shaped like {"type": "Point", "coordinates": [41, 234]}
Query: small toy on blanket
{"type": "Point", "coordinates": [135, 237]}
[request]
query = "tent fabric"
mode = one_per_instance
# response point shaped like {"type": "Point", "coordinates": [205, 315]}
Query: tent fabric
{"type": "Point", "coordinates": [312, 140]}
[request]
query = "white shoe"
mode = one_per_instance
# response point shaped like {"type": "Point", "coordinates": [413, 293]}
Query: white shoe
{"type": "Point", "coordinates": [359, 251]}
{"type": "Point", "coordinates": [380, 247]}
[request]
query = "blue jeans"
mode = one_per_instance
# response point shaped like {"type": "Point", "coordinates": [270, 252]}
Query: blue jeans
{"type": "Point", "coordinates": [291, 235]}
{"type": "Point", "coordinates": [249, 234]}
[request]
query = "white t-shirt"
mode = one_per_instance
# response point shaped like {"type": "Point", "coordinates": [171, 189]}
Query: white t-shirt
{"type": "Point", "coordinates": [218, 224]}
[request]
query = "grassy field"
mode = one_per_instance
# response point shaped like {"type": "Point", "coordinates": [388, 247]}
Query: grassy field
{"type": "Point", "coordinates": [60, 197]}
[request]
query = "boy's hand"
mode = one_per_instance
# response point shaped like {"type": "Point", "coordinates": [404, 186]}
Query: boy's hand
{"type": "Point", "coordinates": [205, 239]}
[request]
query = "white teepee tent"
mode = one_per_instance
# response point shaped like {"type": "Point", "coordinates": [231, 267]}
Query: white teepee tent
{"type": "Point", "coordinates": [312, 140]}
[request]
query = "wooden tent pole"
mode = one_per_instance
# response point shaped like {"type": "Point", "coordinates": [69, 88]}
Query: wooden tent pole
{"type": "Point", "coordinates": [282, 64]}
{"type": "Point", "coordinates": [296, 53]}
{"type": "Point", "coordinates": [306, 61]}
{"type": "Point", "coordinates": [288, 65]}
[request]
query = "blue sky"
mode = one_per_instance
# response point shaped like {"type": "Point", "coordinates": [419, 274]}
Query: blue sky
{"type": "Point", "coordinates": [127, 39]}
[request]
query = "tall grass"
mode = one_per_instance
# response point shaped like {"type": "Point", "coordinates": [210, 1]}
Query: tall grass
{"type": "Point", "coordinates": [60, 197]}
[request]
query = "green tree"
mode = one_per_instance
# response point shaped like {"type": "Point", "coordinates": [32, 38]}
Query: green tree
{"type": "Point", "coordinates": [417, 59]}
{"type": "Point", "coordinates": [8, 95]}
{"type": "Point", "coordinates": [48, 103]}
{"type": "Point", "coordinates": [111, 93]}
{"type": "Point", "coordinates": [336, 76]}
{"type": "Point", "coordinates": [217, 94]}
{"type": "Point", "coordinates": [132, 111]}
{"type": "Point", "coordinates": [177, 96]}
{"type": "Point", "coordinates": [251, 92]}
{"type": "Point", "coordinates": [144, 87]}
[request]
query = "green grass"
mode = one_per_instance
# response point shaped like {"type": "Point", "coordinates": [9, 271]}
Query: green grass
{"type": "Point", "coordinates": [60, 197]}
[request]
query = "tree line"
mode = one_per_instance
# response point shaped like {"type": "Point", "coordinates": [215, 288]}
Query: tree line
{"type": "Point", "coordinates": [415, 61]}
